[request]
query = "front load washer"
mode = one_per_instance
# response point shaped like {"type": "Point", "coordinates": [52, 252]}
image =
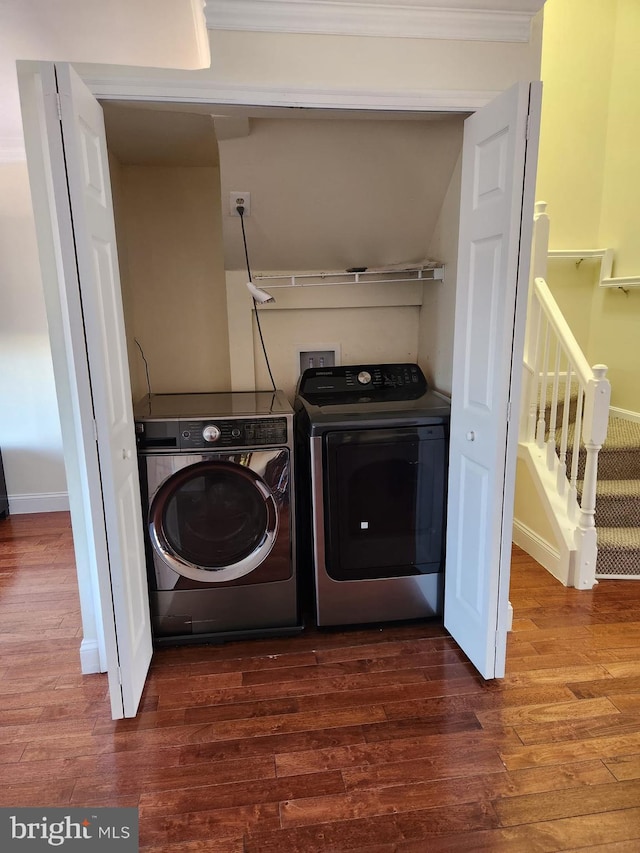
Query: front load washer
{"type": "Point", "coordinates": [216, 474]}
{"type": "Point", "coordinates": [372, 445]}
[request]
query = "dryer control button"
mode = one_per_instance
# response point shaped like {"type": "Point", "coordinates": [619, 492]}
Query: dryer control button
{"type": "Point", "coordinates": [211, 433]}
{"type": "Point", "coordinates": [364, 377]}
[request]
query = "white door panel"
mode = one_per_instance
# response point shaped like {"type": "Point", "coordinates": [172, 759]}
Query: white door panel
{"type": "Point", "coordinates": [72, 175]}
{"type": "Point", "coordinates": [95, 242]}
{"type": "Point", "coordinates": [490, 264]}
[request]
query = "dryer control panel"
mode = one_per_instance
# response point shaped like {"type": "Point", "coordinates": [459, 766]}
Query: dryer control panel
{"type": "Point", "coordinates": [379, 382]}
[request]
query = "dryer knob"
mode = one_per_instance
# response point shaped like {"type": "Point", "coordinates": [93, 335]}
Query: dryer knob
{"type": "Point", "coordinates": [364, 377]}
{"type": "Point", "coordinates": [211, 433]}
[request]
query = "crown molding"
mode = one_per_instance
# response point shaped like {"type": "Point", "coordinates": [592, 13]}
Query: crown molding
{"type": "Point", "coordinates": [468, 20]}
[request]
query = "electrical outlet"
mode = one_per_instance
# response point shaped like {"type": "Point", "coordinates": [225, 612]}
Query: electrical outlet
{"type": "Point", "coordinates": [239, 197]}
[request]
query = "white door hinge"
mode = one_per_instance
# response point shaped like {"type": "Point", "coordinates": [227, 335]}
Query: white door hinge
{"type": "Point", "coordinates": [119, 676]}
{"type": "Point", "coordinates": [95, 431]}
{"type": "Point", "coordinates": [59, 105]}
{"type": "Point", "coordinates": [526, 127]}
{"type": "Point", "coordinates": [509, 411]}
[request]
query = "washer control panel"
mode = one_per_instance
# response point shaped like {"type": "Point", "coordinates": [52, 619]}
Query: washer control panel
{"type": "Point", "coordinates": [200, 434]}
{"type": "Point", "coordinates": [232, 433]}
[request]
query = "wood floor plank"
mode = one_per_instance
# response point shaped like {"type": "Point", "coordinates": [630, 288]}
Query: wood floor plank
{"type": "Point", "coordinates": [624, 768]}
{"type": "Point", "coordinates": [612, 832]}
{"type": "Point", "coordinates": [222, 845]}
{"type": "Point", "coordinates": [170, 778]}
{"type": "Point", "coordinates": [208, 825]}
{"type": "Point", "coordinates": [236, 794]}
{"type": "Point", "coordinates": [465, 745]}
{"type": "Point", "coordinates": [516, 758]}
{"type": "Point", "coordinates": [589, 727]}
{"type": "Point", "coordinates": [572, 802]}
{"type": "Point", "coordinates": [548, 713]}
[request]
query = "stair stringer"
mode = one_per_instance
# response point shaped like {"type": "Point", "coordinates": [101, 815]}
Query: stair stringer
{"type": "Point", "coordinates": [559, 557]}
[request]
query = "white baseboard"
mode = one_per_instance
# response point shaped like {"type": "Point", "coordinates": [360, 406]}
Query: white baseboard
{"type": "Point", "coordinates": [626, 414]}
{"type": "Point", "coordinates": [89, 657]}
{"type": "Point", "coordinates": [46, 502]}
{"type": "Point", "coordinates": [542, 551]}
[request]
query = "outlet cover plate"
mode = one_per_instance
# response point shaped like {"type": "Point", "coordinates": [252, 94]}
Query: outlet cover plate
{"type": "Point", "coordinates": [317, 355]}
{"type": "Point", "coordinates": [237, 197]}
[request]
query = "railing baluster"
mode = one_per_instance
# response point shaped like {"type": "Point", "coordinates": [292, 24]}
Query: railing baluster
{"type": "Point", "coordinates": [575, 454]}
{"type": "Point", "coordinates": [542, 405]}
{"type": "Point", "coordinates": [551, 441]}
{"type": "Point", "coordinates": [534, 351]}
{"type": "Point", "coordinates": [564, 435]}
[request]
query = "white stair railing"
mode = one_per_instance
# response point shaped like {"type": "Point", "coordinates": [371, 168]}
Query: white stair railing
{"type": "Point", "coordinates": [561, 382]}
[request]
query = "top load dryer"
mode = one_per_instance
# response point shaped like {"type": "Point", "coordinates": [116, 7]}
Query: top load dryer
{"type": "Point", "coordinates": [372, 444]}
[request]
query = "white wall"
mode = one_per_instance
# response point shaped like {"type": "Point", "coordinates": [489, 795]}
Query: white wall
{"type": "Point", "coordinates": [29, 425]}
{"type": "Point", "coordinates": [372, 63]}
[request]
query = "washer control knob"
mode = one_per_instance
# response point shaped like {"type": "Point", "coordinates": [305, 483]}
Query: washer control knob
{"type": "Point", "coordinates": [211, 433]}
{"type": "Point", "coordinates": [364, 377]}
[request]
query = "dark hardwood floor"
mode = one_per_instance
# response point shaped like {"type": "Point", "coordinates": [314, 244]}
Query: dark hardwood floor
{"type": "Point", "coordinates": [365, 740]}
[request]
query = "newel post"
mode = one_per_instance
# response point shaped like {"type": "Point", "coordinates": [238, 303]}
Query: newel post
{"type": "Point", "coordinates": [594, 432]}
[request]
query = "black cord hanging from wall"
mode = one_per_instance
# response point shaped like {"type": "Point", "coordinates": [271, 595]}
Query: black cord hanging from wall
{"type": "Point", "coordinates": [240, 210]}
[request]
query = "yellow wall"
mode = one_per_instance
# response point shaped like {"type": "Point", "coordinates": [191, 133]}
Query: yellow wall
{"type": "Point", "coordinates": [615, 332]}
{"type": "Point", "coordinates": [589, 173]}
{"type": "Point", "coordinates": [577, 48]}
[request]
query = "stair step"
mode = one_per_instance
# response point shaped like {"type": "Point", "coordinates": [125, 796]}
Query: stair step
{"type": "Point", "coordinates": [618, 551]}
{"type": "Point", "coordinates": [619, 458]}
{"type": "Point", "coordinates": [617, 503]}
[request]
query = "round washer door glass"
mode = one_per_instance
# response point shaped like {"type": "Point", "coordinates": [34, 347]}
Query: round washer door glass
{"type": "Point", "coordinates": [213, 521]}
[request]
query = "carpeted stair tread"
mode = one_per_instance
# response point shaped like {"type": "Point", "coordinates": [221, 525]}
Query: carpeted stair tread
{"type": "Point", "coordinates": [619, 458]}
{"type": "Point", "coordinates": [617, 503]}
{"type": "Point", "coordinates": [619, 537]}
{"type": "Point", "coordinates": [618, 488]}
{"type": "Point", "coordinates": [618, 551]}
{"type": "Point", "coordinates": [622, 434]}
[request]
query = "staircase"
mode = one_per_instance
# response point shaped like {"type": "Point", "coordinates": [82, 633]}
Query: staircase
{"type": "Point", "coordinates": [592, 497]}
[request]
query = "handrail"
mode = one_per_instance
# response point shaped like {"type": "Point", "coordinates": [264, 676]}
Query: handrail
{"type": "Point", "coordinates": [562, 330]}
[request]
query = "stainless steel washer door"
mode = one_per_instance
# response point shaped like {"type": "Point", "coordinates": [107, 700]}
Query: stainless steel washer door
{"type": "Point", "coordinates": [217, 519]}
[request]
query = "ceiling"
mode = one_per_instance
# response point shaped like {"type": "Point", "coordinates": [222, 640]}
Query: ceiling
{"type": "Point", "coordinates": [150, 137]}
